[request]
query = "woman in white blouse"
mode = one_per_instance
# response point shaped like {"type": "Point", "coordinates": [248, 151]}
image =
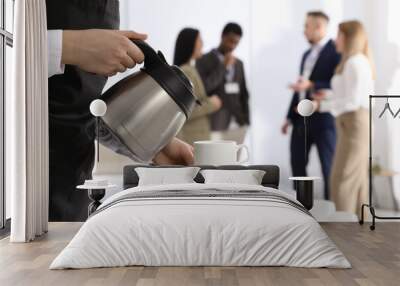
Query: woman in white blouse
{"type": "Point", "coordinates": [348, 102]}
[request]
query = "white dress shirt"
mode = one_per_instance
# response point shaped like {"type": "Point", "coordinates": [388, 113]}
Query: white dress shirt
{"type": "Point", "coordinates": [230, 70]}
{"type": "Point", "coordinates": [351, 88]}
{"type": "Point", "coordinates": [54, 52]}
{"type": "Point", "coordinates": [310, 61]}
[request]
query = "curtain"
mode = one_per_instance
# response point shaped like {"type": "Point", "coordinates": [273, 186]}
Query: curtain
{"type": "Point", "coordinates": [27, 124]}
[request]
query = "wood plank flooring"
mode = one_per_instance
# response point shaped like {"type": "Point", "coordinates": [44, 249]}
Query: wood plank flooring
{"type": "Point", "coordinates": [375, 257]}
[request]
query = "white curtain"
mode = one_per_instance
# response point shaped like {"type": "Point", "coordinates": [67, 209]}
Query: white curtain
{"type": "Point", "coordinates": [27, 124]}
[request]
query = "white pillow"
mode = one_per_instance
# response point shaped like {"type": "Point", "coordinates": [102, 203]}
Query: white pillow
{"type": "Point", "coordinates": [163, 176]}
{"type": "Point", "coordinates": [247, 177]}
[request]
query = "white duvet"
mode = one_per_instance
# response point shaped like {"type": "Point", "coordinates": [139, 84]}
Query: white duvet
{"type": "Point", "coordinates": [200, 231]}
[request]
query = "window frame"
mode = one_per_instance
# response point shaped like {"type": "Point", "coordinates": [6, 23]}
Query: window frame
{"type": "Point", "coordinates": [6, 39]}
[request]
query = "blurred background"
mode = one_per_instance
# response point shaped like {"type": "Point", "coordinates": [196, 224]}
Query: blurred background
{"type": "Point", "coordinates": [271, 49]}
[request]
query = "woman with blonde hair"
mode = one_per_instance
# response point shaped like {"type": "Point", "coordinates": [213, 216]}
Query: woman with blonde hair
{"type": "Point", "coordinates": [349, 102]}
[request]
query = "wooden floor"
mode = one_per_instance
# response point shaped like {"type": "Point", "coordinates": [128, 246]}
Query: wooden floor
{"type": "Point", "coordinates": [375, 257]}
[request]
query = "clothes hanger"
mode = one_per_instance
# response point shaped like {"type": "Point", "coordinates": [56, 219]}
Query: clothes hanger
{"type": "Point", "coordinates": [397, 113]}
{"type": "Point", "coordinates": [387, 107]}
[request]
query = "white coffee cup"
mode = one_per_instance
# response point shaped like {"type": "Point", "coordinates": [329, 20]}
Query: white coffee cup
{"type": "Point", "coordinates": [218, 153]}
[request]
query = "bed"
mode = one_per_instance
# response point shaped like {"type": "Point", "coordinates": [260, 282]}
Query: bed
{"type": "Point", "coordinates": [198, 224]}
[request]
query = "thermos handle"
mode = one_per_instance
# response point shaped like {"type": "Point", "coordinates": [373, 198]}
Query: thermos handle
{"type": "Point", "coordinates": [151, 57]}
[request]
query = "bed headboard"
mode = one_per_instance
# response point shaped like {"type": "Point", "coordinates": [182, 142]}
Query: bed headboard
{"type": "Point", "coordinates": [270, 179]}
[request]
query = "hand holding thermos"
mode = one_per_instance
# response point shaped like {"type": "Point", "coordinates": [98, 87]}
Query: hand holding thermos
{"type": "Point", "coordinates": [99, 51]}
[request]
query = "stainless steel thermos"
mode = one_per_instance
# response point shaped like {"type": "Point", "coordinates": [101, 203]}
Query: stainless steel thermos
{"type": "Point", "coordinates": [147, 109]}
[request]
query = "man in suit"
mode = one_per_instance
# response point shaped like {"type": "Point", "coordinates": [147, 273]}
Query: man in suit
{"type": "Point", "coordinates": [223, 75]}
{"type": "Point", "coordinates": [85, 46]}
{"type": "Point", "coordinates": [317, 68]}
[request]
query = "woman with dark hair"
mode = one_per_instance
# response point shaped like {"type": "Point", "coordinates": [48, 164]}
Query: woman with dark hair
{"type": "Point", "coordinates": [188, 49]}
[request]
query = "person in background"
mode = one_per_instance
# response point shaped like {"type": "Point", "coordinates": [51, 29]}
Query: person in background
{"type": "Point", "coordinates": [223, 74]}
{"type": "Point", "coordinates": [316, 70]}
{"type": "Point", "coordinates": [84, 48]}
{"type": "Point", "coordinates": [349, 102]}
{"type": "Point", "coordinates": [188, 49]}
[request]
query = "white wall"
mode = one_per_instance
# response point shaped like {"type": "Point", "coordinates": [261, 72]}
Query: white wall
{"type": "Point", "coordinates": [271, 49]}
{"type": "Point", "coordinates": [392, 60]}
{"type": "Point", "coordinates": [383, 22]}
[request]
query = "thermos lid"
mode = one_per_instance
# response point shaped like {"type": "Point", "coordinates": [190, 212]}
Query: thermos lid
{"type": "Point", "coordinates": [170, 78]}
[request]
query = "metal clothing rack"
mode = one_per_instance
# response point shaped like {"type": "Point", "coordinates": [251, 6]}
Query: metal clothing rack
{"type": "Point", "coordinates": [370, 203]}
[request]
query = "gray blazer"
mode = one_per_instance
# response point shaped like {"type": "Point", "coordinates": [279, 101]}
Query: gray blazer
{"type": "Point", "coordinates": [212, 72]}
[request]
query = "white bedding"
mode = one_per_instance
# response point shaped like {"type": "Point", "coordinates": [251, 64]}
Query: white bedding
{"type": "Point", "coordinates": [199, 231]}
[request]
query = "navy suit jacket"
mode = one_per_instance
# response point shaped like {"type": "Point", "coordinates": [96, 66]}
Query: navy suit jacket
{"type": "Point", "coordinates": [321, 76]}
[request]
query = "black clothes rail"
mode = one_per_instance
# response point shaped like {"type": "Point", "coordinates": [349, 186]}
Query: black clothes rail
{"type": "Point", "coordinates": [370, 203]}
